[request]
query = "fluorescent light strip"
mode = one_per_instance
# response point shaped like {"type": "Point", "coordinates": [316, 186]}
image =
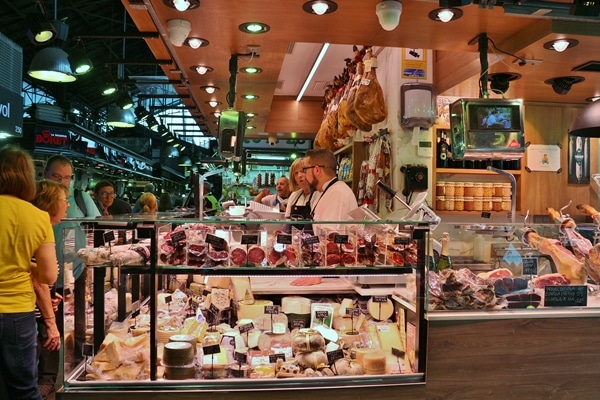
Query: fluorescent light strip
{"type": "Point", "coordinates": [268, 157]}
{"type": "Point", "coordinates": [313, 70]}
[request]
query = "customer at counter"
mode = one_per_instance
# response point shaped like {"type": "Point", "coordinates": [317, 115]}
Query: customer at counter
{"type": "Point", "coordinates": [148, 203]}
{"type": "Point", "coordinates": [149, 188]}
{"type": "Point", "coordinates": [279, 199]}
{"type": "Point", "coordinates": [111, 205]}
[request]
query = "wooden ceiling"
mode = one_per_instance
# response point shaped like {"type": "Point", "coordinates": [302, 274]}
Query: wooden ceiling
{"type": "Point", "coordinates": [456, 62]}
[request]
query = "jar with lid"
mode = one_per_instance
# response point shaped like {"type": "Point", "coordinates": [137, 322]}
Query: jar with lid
{"type": "Point", "coordinates": [486, 203]}
{"type": "Point", "coordinates": [468, 189]}
{"type": "Point", "coordinates": [440, 188]}
{"type": "Point", "coordinates": [496, 203]}
{"type": "Point", "coordinates": [468, 203]}
{"type": "Point", "coordinates": [497, 186]}
{"type": "Point", "coordinates": [506, 190]}
{"type": "Point", "coordinates": [440, 203]}
{"type": "Point", "coordinates": [459, 204]}
{"type": "Point", "coordinates": [449, 189]}
{"type": "Point", "coordinates": [488, 189]}
{"type": "Point", "coordinates": [449, 203]}
{"type": "Point", "coordinates": [506, 203]}
{"type": "Point", "coordinates": [478, 203]}
{"type": "Point", "coordinates": [477, 189]}
{"type": "Point", "coordinates": [459, 189]}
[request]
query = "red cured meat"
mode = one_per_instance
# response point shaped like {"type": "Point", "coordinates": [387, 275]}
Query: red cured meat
{"type": "Point", "coordinates": [397, 259]}
{"type": "Point", "coordinates": [197, 248]}
{"type": "Point", "coordinates": [166, 248]}
{"type": "Point", "coordinates": [290, 255]}
{"type": "Point", "coordinates": [348, 259]}
{"type": "Point", "coordinates": [274, 257]}
{"type": "Point", "coordinates": [238, 256]}
{"type": "Point", "coordinates": [256, 255]}
{"type": "Point", "coordinates": [348, 247]}
{"type": "Point", "coordinates": [500, 273]}
{"type": "Point", "coordinates": [550, 280]}
{"type": "Point", "coordinates": [333, 259]}
{"type": "Point", "coordinates": [332, 248]}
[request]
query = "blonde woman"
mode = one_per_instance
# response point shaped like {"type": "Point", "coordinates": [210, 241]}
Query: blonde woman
{"type": "Point", "coordinates": [301, 199]}
{"type": "Point", "coordinates": [148, 203]}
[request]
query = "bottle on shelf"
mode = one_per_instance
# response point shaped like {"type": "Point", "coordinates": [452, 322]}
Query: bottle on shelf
{"type": "Point", "coordinates": [444, 262]}
{"type": "Point", "coordinates": [442, 152]}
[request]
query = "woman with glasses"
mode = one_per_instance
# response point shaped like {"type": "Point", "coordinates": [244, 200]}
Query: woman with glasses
{"type": "Point", "coordinates": [25, 232]}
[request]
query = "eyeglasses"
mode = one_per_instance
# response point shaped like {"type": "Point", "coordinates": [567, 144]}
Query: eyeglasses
{"type": "Point", "coordinates": [107, 194]}
{"type": "Point", "coordinates": [311, 167]}
{"type": "Point", "coordinates": [59, 178]}
{"type": "Point", "coordinates": [65, 200]}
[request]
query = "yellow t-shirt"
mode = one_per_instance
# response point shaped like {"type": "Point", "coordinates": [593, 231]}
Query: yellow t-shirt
{"type": "Point", "coordinates": [23, 228]}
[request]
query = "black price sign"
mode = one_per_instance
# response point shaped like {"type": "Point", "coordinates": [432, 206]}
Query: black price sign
{"type": "Point", "coordinates": [271, 309]}
{"type": "Point", "coordinates": [109, 236]}
{"type": "Point", "coordinates": [249, 239]}
{"type": "Point", "coordinates": [205, 292]}
{"type": "Point", "coordinates": [310, 240]}
{"type": "Point", "coordinates": [284, 239]}
{"type": "Point", "coordinates": [215, 241]}
{"type": "Point", "coordinates": [565, 296]}
{"type": "Point", "coordinates": [246, 327]}
{"type": "Point", "coordinates": [380, 299]}
{"type": "Point", "coordinates": [397, 352]}
{"type": "Point", "coordinates": [212, 349]}
{"type": "Point", "coordinates": [168, 299]}
{"type": "Point", "coordinates": [274, 357]}
{"type": "Point", "coordinates": [486, 214]}
{"type": "Point", "coordinates": [298, 323]}
{"type": "Point", "coordinates": [353, 312]}
{"type": "Point", "coordinates": [213, 309]}
{"type": "Point", "coordinates": [530, 266]}
{"type": "Point", "coordinates": [340, 239]}
{"type": "Point", "coordinates": [242, 358]}
{"type": "Point", "coordinates": [321, 314]}
{"type": "Point", "coordinates": [87, 350]}
{"type": "Point", "coordinates": [177, 236]}
{"type": "Point", "coordinates": [333, 356]}
{"type": "Point", "coordinates": [401, 240]}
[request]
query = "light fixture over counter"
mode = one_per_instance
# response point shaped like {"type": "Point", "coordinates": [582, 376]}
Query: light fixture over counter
{"type": "Point", "coordinates": [587, 123]}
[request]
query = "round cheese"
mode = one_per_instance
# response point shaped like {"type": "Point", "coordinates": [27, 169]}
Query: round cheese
{"type": "Point", "coordinates": [380, 311]}
{"type": "Point", "coordinates": [251, 311]}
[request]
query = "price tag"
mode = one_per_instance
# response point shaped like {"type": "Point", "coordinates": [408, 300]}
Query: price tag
{"type": "Point", "coordinates": [401, 240]}
{"type": "Point", "coordinates": [274, 357]}
{"type": "Point", "coordinates": [242, 358]}
{"type": "Point", "coordinates": [334, 355]}
{"type": "Point", "coordinates": [565, 296]}
{"type": "Point", "coordinates": [168, 299]}
{"type": "Point", "coordinates": [310, 240]}
{"type": "Point", "coordinates": [205, 292]}
{"type": "Point", "coordinates": [246, 327]}
{"type": "Point", "coordinates": [340, 239]}
{"type": "Point", "coordinates": [177, 236]}
{"type": "Point", "coordinates": [284, 239]}
{"type": "Point", "coordinates": [87, 350]}
{"type": "Point", "coordinates": [212, 349]}
{"type": "Point", "coordinates": [380, 299]}
{"type": "Point", "coordinates": [321, 314]}
{"type": "Point", "coordinates": [486, 214]}
{"type": "Point", "coordinates": [298, 323]}
{"type": "Point", "coordinates": [397, 352]}
{"type": "Point", "coordinates": [213, 309]}
{"type": "Point", "coordinates": [249, 239]}
{"type": "Point", "coordinates": [353, 312]}
{"type": "Point", "coordinates": [215, 241]}
{"type": "Point", "coordinates": [530, 266]}
{"type": "Point", "coordinates": [109, 236]}
{"type": "Point", "coordinates": [271, 309]}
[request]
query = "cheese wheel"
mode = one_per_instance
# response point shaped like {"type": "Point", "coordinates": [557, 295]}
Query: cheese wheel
{"type": "Point", "coordinates": [374, 363]}
{"type": "Point", "coordinates": [251, 311]}
{"type": "Point", "coordinates": [360, 353]}
{"type": "Point", "coordinates": [380, 311]}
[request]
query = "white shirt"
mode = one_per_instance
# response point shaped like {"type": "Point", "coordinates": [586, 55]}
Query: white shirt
{"type": "Point", "coordinates": [298, 198]}
{"type": "Point", "coordinates": [273, 200]}
{"type": "Point", "coordinates": [334, 204]}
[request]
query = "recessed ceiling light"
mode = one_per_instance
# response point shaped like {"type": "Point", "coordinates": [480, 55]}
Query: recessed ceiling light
{"type": "Point", "coordinates": [592, 99]}
{"type": "Point", "coordinates": [250, 127]}
{"type": "Point", "coordinates": [251, 115]}
{"type": "Point", "coordinates": [320, 7]}
{"type": "Point", "coordinates": [201, 69]}
{"type": "Point", "coordinates": [209, 89]}
{"type": "Point", "coordinates": [562, 84]}
{"type": "Point", "coordinates": [213, 103]}
{"type": "Point", "coordinates": [445, 14]}
{"type": "Point", "coordinates": [182, 5]}
{"type": "Point", "coordinates": [196, 42]}
{"type": "Point", "coordinates": [216, 114]}
{"type": "Point", "coordinates": [250, 96]}
{"type": "Point", "coordinates": [561, 45]}
{"type": "Point", "coordinates": [254, 27]}
{"type": "Point", "coordinates": [250, 70]}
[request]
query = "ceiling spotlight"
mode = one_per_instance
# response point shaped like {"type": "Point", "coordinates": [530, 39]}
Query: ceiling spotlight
{"type": "Point", "coordinates": [124, 100]}
{"type": "Point", "coordinates": [388, 12]}
{"type": "Point", "coordinates": [80, 62]}
{"type": "Point", "coordinates": [120, 118]}
{"type": "Point", "coordinates": [152, 123]}
{"type": "Point", "coordinates": [320, 7]}
{"type": "Point", "coordinates": [196, 42]}
{"type": "Point", "coordinates": [250, 127]}
{"type": "Point", "coordinates": [250, 70]}
{"type": "Point", "coordinates": [562, 84]}
{"type": "Point", "coordinates": [182, 5]}
{"type": "Point", "coordinates": [41, 31]}
{"type": "Point", "coordinates": [163, 130]}
{"type": "Point", "coordinates": [201, 69]}
{"type": "Point", "coordinates": [587, 122]}
{"type": "Point", "coordinates": [592, 99]}
{"type": "Point", "coordinates": [51, 64]}
{"type": "Point", "coordinates": [561, 45]}
{"type": "Point", "coordinates": [499, 82]}
{"type": "Point", "coordinates": [141, 113]}
{"type": "Point", "coordinates": [178, 29]}
{"type": "Point", "coordinates": [254, 27]}
{"type": "Point", "coordinates": [209, 89]}
{"type": "Point", "coordinates": [213, 103]}
{"type": "Point", "coordinates": [216, 114]}
{"type": "Point", "coordinates": [251, 115]}
{"type": "Point", "coordinates": [185, 161]}
{"type": "Point", "coordinates": [249, 96]}
{"type": "Point", "coordinates": [445, 14]}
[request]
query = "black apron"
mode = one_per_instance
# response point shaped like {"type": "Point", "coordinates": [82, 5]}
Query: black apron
{"type": "Point", "coordinates": [301, 213]}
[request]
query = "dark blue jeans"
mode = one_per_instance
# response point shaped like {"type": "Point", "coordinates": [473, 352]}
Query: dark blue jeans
{"type": "Point", "coordinates": [18, 341]}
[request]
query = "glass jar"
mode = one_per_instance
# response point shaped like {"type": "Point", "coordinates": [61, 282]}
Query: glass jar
{"type": "Point", "coordinates": [506, 190]}
{"type": "Point", "coordinates": [496, 203]}
{"type": "Point", "coordinates": [459, 204]}
{"type": "Point", "coordinates": [488, 190]}
{"type": "Point", "coordinates": [440, 188]}
{"type": "Point", "coordinates": [506, 203]}
{"type": "Point", "coordinates": [469, 205]}
{"type": "Point", "coordinates": [478, 203]}
{"type": "Point", "coordinates": [497, 189]}
{"type": "Point", "coordinates": [477, 189]}
{"type": "Point", "coordinates": [449, 189]}
{"type": "Point", "coordinates": [449, 203]}
{"type": "Point", "coordinates": [487, 203]}
{"type": "Point", "coordinates": [459, 189]}
{"type": "Point", "coordinates": [440, 203]}
{"type": "Point", "coordinates": [468, 189]}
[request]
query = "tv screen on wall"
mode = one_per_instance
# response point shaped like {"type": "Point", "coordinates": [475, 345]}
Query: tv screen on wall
{"type": "Point", "coordinates": [494, 116]}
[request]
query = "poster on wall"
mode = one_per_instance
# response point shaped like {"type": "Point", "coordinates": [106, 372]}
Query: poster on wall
{"type": "Point", "coordinates": [414, 64]}
{"type": "Point", "coordinates": [579, 160]}
{"type": "Point", "coordinates": [543, 157]}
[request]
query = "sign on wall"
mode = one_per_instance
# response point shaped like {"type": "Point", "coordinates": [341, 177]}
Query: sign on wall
{"type": "Point", "coordinates": [11, 113]}
{"type": "Point", "coordinates": [543, 157]}
{"type": "Point", "coordinates": [414, 64]}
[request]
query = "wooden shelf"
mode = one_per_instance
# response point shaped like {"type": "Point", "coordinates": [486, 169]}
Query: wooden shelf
{"type": "Point", "coordinates": [464, 171]}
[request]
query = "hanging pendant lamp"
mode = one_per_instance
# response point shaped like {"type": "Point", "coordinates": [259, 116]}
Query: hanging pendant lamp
{"type": "Point", "coordinates": [51, 64]}
{"type": "Point", "coordinates": [120, 118]}
{"type": "Point", "coordinates": [587, 123]}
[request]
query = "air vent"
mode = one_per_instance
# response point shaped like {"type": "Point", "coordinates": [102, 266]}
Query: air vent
{"type": "Point", "coordinates": [290, 48]}
{"type": "Point", "coordinates": [590, 66]}
{"type": "Point", "coordinates": [320, 85]}
{"type": "Point", "coordinates": [11, 65]}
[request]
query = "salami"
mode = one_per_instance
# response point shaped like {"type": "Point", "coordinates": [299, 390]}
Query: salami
{"type": "Point", "coordinates": [238, 256]}
{"type": "Point", "coordinates": [256, 255]}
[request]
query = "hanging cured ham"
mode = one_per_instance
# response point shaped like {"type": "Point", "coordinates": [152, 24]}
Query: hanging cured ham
{"type": "Point", "coordinates": [351, 113]}
{"type": "Point", "coordinates": [370, 103]}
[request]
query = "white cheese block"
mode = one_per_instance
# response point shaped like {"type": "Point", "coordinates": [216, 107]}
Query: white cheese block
{"type": "Point", "coordinates": [389, 336]}
{"type": "Point", "coordinates": [346, 303]}
{"type": "Point", "coordinates": [295, 305]}
{"type": "Point", "coordinates": [220, 298]}
{"type": "Point", "coordinates": [240, 286]}
{"type": "Point", "coordinates": [251, 311]}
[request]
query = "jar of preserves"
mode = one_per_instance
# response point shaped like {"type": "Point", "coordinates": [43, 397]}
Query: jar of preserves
{"type": "Point", "coordinates": [496, 203]}
{"type": "Point", "coordinates": [469, 205]}
{"type": "Point", "coordinates": [440, 188]}
{"type": "Point", "coordinates": [486, 203]}
{"type": "Point", "coordinates": [497, 189]}
{"type": "Point", "coordinates": [488, 189]}
{"type": "Point", "coordinates": [477, 203]}
{"type": "Point", "coordinates": [449, 189]}
{"type": "Point", "coordinates": [477, 189]}
{"type": "Point", "coordinates": [468, 189]}
{"type": "Point", "coordinates": [506, 190]}
{"type": "Point", "coordinates": [459, 189]}
{"type": "Point", "coordinates": [506, 203]}
{"type": "Point", "coordinates": [459, 204]}
{"type": "Point", "coordinates": [449, 203]}
{"type": "Point", "coordinates": [440, 203]}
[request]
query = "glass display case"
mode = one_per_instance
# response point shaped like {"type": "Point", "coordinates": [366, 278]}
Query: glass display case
{"type": "Point", "coordinates": [237, 304]}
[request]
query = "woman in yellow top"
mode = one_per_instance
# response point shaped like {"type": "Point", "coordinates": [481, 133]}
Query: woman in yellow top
{"type": "Point", "coordinates": [25, 232]}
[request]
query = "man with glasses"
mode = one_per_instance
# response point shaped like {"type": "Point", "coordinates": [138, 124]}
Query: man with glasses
{"type": "Point", "coordinates": [105, 194]}
{"type": "Point", "coordinates": [59, 168]}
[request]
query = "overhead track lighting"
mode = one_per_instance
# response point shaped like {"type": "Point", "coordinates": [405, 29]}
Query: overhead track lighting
{"type": "Point", "coordinates": [182, 5]}
{"type": "Point", "coordinates": [41, 31]}
{"type": "Point", "coordinates": [445, 14]}
{"type": "Point", "coordinates": [561, 45]}
{"type": "Point", "coordinates": [562, 84]}
{"type": "Point", "coordinates": [388, 12]}
{"type": "Point", "coordinates": [152, 123]}
{"type": "Point", "coordinates": [124, 100]}
{"type": "Point", "coordinates": [51, 64]}
{"type": "Point", "coordinates": [109, 89]}
{"type": "Point", "coordinates": [80, 62]}
{"type": "Point", "coordinates": [141, 113]}
{"type": "Point", "coordinates": [120, 118]}
{"type": "Point", "coordinates": [320, 7]}
{"type": "Point", "coordinates": [587, 122]}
